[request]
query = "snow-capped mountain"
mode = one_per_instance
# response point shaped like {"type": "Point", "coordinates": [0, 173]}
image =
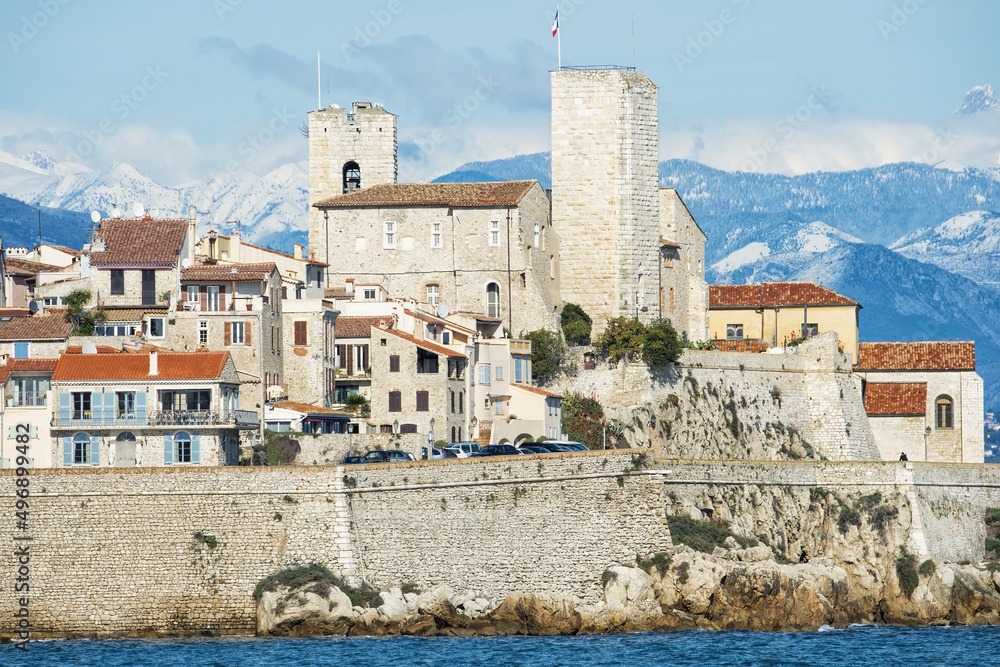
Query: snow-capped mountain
{"type": "Point", "coordinates": [977, 100]}
{"type": "Point", "coordinates": [967, 244]}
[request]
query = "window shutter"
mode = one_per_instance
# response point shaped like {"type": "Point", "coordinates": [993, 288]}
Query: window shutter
{"type": "Point", "coordinates": [202, 299]}
{"type": "Point", "coordinates": [168, 449]}
{"type": "Point", "coordinates": [300, 333]}
{"type": "Point", "coordinates": [196, 448]}
{"type": "Point", "coordinates": [222, 297]}
{"type": "Point", "coordinates": [246, 332]}
{"type": "Point", "coordinates": [95, 450]}
{"type": "Point", "coordinates": [110, 408]}
{"type": "Point", "coordinates": [423, 401]}
{"type": "Point", "coordinates": [229, 334]}
{"type": "Point", "coordinates": [395, 401]}
{"type": "Point", "coordinates": [65, 407]}
{"type": "Point", "coordinates": [95, 407]}
{"type": "Point", "coordinates": [67, 450]}
{"type": "Point", "coordinates": [393, 363]}
{"type": "Point", "coordinates": [140, 407]}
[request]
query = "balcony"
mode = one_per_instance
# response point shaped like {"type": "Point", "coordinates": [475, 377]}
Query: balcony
{"type": "Point", "coordinates": [241, 419]}
{"type": "Point", "coordinates": [146, 297]}
{"type": "Point", "coordinates": [27, 401]}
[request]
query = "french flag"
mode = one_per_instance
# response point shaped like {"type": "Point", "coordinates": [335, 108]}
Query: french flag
{"type": "Point", "coordinates": [555, 23]}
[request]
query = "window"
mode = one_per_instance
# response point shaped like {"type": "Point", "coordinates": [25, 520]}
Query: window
{"type": "Point", "coordinates": [433, 294]}
{"type": "Point", "coordinates": [395, 401]}
{"type": "Point", "coordinates": [494, 232]}
{"type": "Point", "coordinates": [118, 281]}
{"type": "Point", "coordinates": [498, 407]}
{"type": "Point", "coordinates": [538, 234]}
{"type": "Point", "coordinates": [393, 363]}
{"type": "Point", "coordinates": [427, 362]}
{"type": "Point", "coordinates": [493, 300]}
{"type": "Point", "coordinates": [368, 295]}
{"type": "Point", "coordinates": [436, 241]}
{"type": "Point", "coordinates": [156, 327]}
{"type": "Point", "coordinates": [81, 405]}
{"type": "Point", "coordinates": [945, 412]}
{"type": "Point", "coordinates": [484, 375]}
{"type": "Point", "coordinates": [389, 235]}
{"type": "Point", "coordinates": [498, 372]}
{"type": "Point", "coordinates": [28, 391]}
{"type": "Point", "coordinates": [203, 332]}
{"type": "Point", "coordinates": [301, 329]}
{"type": "Point", "coordinates": [182, 448]}
{"type": "Point", "coordinates": [81, 448]}
{"type": "Point", "coordinates": [423, 401]}
{"type": "Point", "coordinates": [213, 297]}
{"type": "Point", "coordinates": [446, 337]}
{"type": "Point", "coordinates": [237, 333]}
{"type": "Point", "coordinates": [810, 330]}
{"type": "Point", "coordinates": [553, 409]}
{"type": "Point", "coordinates": [21, 350]}
{"type": "Point", "coordinates": [192, 294]}
{"type": "Point", "coordinates": [518, 369]}
{"type": "Point", "coordinates": [352, 177]}
{"type": "Point", "coordinates": [734, 331]}
{"type": "Point", "coordinates": [451, 396]}
{"type": "Point", "coordinates": [52, 300]}
{"type": "Point", "coordinates": [126, 405]}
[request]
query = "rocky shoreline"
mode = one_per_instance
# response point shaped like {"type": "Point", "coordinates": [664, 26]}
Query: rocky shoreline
{"type": "Point", "coordinates": [732, 589]}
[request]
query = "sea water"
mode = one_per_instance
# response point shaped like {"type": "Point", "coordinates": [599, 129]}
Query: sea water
{"type": "Point", "coordinates": [867, 646]}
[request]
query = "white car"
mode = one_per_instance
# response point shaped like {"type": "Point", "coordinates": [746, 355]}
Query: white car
{"type": "Point", "coordinates": [464, 450]}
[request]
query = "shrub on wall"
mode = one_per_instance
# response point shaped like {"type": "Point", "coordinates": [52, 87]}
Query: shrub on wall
{"type": "Point", "coordinates": [583, 419]}
{"type": "Point", "coordinates": [662, 346]}
{"type": "Point", "coordinates": [623, 338]}
{"type": "Point", "coordinates": [576, 325]}
{"type": "Point", "coordinates": [546, 354]}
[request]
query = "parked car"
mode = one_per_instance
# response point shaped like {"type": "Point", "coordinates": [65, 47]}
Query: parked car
{"type": "Point", "coordinates": [353, 460]}
{"type": "Point", "coordinates": [396, 455]}
{"type": "Point", "coordinates": [376, 456]}
{"type": "Point", "coordinates": [571, 445]}
{"type": "Point", "coordinates": [498, 450]}
{"type": "Point", "coordinates": [439, 453]}
{"type": "Point", "coordinates": [532, 449]}
{"type": "Point", "coordinates": [551, 446]}
{"type": "Point", "coordinates": [464, 449]}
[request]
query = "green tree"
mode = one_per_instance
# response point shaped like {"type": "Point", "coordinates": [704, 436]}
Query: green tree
{"type": "Point", "coordinates": [583, 419]}
{"type": "Point", "coordinates": [576, 325]}
{"type": "Point", "coordinates": [547, 351]}
{"type": "Point", "coordinates": [662, 345]}
{"type": "Point", "coordinates": [83, 320]}
{"type": "Point", "coordinates": [623, 338]}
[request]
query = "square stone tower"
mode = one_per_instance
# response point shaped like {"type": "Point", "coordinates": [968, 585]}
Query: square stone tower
{"type": "Point", "coordinates": [348, 150]}
{"type": "Point", "coordinates": [605, 203]}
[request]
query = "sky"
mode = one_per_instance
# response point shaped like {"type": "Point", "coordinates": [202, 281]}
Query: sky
{"type": "Point", "coordinates": [184, 90]}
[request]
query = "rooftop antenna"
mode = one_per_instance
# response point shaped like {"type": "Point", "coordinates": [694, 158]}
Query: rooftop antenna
{"type": "Point", "coordinates": [39, 233]}
{"type": "Point", "coordinates": [633, 41]}
{"type": "Point", "coordinates": [319, 84]}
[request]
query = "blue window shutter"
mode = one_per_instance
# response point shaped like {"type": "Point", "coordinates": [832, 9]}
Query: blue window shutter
{"type": "Point", "coordinates": [196, 448]}
{"type": "Point", "coordinates": [140, 407]}
{"type": "Point", "coordinates": [168, 449]}
{"type": "Point", "coordinates": [67, 450]}
{"type": "Point", "coordinates": [110, 408]}
{"type": "Point", "coordinates": [95, 450]}
{"type": "Point", "coordinates": [95, 407]}
{"type": "Point", "coordinates": [20, 350]}
{"type": "Point", "coordinates": [65, 407]}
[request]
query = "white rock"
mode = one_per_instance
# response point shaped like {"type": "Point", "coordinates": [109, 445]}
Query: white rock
{"type": "Point", "coordinates": [393, 607]}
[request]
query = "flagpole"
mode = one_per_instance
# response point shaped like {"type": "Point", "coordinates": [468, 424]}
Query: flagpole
{"type": "Point", "coordinates": [559, 39]}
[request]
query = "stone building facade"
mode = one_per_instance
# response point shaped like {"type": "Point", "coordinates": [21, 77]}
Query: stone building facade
{"type": "Point", "coordinates": [683, 289]}
{"type": "Point", "coordinates": [309, 346]}
{"type": "Point", "coordinates": [605, 204]}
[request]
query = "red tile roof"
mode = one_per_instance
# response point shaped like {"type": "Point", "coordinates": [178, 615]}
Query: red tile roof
{"type": "Point", "coordinates": [37, 327]}
{"type": "Point", "coordinates": [18, 266]}
{"type": "Point", "coordinates": [308, 409]}
{"type": "Point", "coordinates": [775, 295]}
{"type": "Point", "coordinates": [101, 349]}
{"type": "Point", "coordinates": [312, 262]}
{"type": "Point", "coordinates": [14, 312]}
{"type": "Point", "coordinates": [133, 242]}
{"type": "Point", "coordinates": [924, 356]}
{"type": "Point", "coordinates": [427, 345]}
{"type": "Point", "coordinates": [230, 272]}
{"type": "Point", "coordinates": [26, 365]}
{"type": "Point", "coordinates": [742, 345]}
{"type": "Point", "coordinates": [357, 327]}
{"type": "Point", "coordinates": [335, 293]}
{"type": "Point", "coordinates": [462, 195]}
{"type": "Point", "coordinates": [171, 366]}
{"type": "Point", "coordinates": [536, 390]}
{"type": "Point", "coordinates": [896, 399]}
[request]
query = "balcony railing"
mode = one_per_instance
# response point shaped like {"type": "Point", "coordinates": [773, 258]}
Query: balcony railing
{"type": "Point", "coordinates": [146, 297]}
{"type": "Point", "coordinates": [27, 401]}
{"type": "Point", "coordinates": [167, 418]}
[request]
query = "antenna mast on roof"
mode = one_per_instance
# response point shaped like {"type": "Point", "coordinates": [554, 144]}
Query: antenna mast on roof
{"type": "Point", "coordinates": [319, 84]}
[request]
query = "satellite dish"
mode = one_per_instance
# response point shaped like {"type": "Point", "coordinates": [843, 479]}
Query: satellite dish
{"type": "Point", "coordinates": [138, 210]}
{"type": "Point", "coordinates": [95, 216]}
{"type": "Point", "coordinates": [33, 307]}
{"type": "Point", "coordinates": [185, 263]}
{"type": "Point", "coordinates": [89, 348]}
{"type": "Point", "coordinates": [116, 212]}
{"type": "Point", "coordinates": [442, 311]}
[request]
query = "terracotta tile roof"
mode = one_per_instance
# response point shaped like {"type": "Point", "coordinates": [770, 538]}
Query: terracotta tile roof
{"type": "Point", "coordinates": [668, 243]}
{"type": "Point", "coordinates": [427, 317]}
{"type": "Point", "coordinates": [18, 266]}
{"type": "Point", "coordinates": [101, 349]}
{"type": "Point", "coordinates": [427, 345]}
{"type": "Point", "coordinates": [924, 356]}
{"type": "Point", "coordinates": [14, 312]}
{"type": "Point", "coordinates": [775, 295]}
{"type": "Point", "coordinates": [743, 345]}
{"type": "Point", "coordinates": [228, 272]}
{"type": "Point", "coordinates": [133, 242]}
{"type": "Point", "coordinates": [536, 390]}
{"type": "Point", "coordinates": [896, 399]}
{"type": "Point", "coordinates": [357, 327]}
{"type": "Point", "coordinates": [335, 293]}
{"type": "Point", "coordinates": [125, 314]}
{"type": "Point", "coordinates": [171, 366]}
{"type": "Point", "coordinates": [462, 195]}
{"type": "Point", "coordinates": [37, 327]}
{"type": "Point", "coordinates": [68, 251]}
{"type": "Point", "coordinates": [312, 262]}
{"type": "Point", "coordinates": [26, 365]}
{"type": "Point", "coordinates": [308, 409]}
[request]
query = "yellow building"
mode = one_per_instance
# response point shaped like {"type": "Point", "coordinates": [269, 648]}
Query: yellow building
{"type": "Point", "coordinates": [776, 313]}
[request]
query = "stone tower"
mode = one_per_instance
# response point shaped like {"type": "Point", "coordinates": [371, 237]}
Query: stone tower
{"type": "Point", "coordinates": [605, 201]}
{"type": "Point", "coordinates": [348, 150]}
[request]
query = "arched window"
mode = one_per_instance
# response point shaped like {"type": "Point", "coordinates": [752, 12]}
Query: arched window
{"type": "Point", "coordinates": [125, 436]}
{"type": "Point", "coordinates": [182, 447]}
{"type": "Point", "coordinates": [493, 300]}
{"type": "Point", "coordinates": [352, 177]}
{"type": "Point", "coordinates": [81, 448]}
{"type": "Point", "coordinates": [945, 412]}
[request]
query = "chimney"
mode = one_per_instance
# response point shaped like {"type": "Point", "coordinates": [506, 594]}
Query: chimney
{"type": "Point", "coordinates": [298, 250]}
{"type": "Point", "coordinates": [153, 364]}
{"type": "Point", "coordinates": [192, 233]}
{"type": "Point", "coordinates": [350, 286]}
